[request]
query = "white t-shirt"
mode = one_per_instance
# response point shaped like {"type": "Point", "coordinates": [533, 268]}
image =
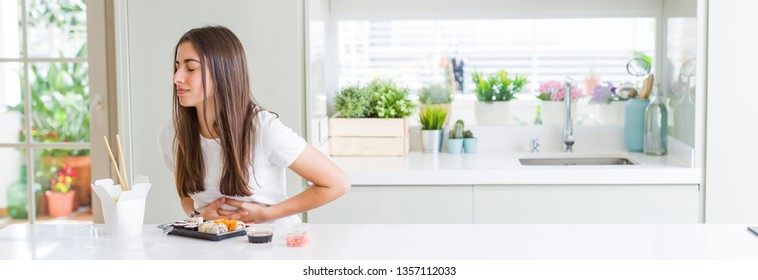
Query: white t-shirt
{"type": "Point", "coordinates": [276, 147]}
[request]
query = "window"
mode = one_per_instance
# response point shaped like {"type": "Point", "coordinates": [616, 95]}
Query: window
{"type": "Point", "coordinates": [44, 108]}
{"type": "Point", "coordinates": [414, 52]}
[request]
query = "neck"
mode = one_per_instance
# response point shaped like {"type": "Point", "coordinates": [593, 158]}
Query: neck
{"type": "Point", "coordinates": [210, 117]}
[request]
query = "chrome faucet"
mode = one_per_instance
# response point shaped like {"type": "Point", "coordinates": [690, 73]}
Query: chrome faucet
{"type": "Point", "coordinates": [568, 126]}
{"type": "Point", "coordinates": [534, 145]}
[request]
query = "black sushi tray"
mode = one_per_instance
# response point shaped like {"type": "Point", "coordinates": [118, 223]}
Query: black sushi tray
{"type": "Point", "coordinates": [175, 230]}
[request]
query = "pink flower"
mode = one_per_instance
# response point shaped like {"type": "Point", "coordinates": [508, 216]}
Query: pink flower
{"type": "Point", "coordinates": [553, 90]}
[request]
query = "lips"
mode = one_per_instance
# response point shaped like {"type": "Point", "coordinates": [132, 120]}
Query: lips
{"type": "Point", "coordinates": [181, 91]}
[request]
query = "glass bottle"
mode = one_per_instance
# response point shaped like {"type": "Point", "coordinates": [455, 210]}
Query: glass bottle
{"type": "Point", "coordinates": [684, 116]}
{"type": "Point", "coordinates": [656, 125]}
{"type": "Point", "coordinates": [18, 200]}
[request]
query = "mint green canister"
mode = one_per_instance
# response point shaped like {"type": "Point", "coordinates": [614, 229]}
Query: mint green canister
{"type": "Point", "coordinates": [634, 124]}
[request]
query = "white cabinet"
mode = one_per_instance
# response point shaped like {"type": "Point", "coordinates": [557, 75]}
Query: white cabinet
{"type": "Point", "coordinates": [514, 204]}
{"type": "Point", "coordinates": [587, 204]}
{"type": "Point", "coordinates": [399, 204]}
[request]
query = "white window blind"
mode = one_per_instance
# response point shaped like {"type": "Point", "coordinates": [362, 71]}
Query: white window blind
{"type": "Point", "coordinates": [411, 51]}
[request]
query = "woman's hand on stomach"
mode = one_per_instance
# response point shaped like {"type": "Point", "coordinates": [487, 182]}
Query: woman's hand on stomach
{"type": "Point", "coordinates": [214, 211]}
{"type": "Point", "coordinates": [249, 212]}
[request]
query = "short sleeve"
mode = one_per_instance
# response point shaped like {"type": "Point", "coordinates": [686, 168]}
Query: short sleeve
{"type": "Point", "coordinates": [280, 143]}
{"type": "Point", "coordinates": [166, 143]}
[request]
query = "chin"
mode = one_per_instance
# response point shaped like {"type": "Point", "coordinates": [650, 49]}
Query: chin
{"type": "Point", "coordinates": [184, 103]}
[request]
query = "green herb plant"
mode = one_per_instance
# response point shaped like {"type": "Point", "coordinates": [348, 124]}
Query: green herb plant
{"type": "Point", "coordinates": [378, 99]}
{"type": "Point", "coordinates": [353, 102]}
{"type": "Point", "coordinates": [435, 94]}
{"type": "Point", "coordinates": [388, 100]}
{"type": "Point", "coordinates": [497, 87]}
{"type": "Point", "coordinates": [432, 118]}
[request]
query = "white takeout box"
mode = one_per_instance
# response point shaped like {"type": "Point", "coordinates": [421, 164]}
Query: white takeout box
{"type": "Point", "coordinates": [124, 211]}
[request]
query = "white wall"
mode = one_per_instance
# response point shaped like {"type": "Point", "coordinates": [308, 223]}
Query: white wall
{"type": "Point", "coordinates": [271, 32]}
{"type": "Point", "coordinates": [731, 182]}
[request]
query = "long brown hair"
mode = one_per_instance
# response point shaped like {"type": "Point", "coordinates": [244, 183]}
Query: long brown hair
{"type": "Point", "coordinates": [234, 109]}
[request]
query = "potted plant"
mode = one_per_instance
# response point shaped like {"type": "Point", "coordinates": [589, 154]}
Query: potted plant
{"type": "Point", "coordinates": [437, 95]}
{"type": "Point", "coordinates": [552, 107]}
{"type": "Point", "coordinates": [18, 196]}
{"type": "Point", "coordinates": [469, 142]}
{"type": "Point", "coordinates": [353, 102]}
{"type": "Point", "coordinates": [60, 197]}
{"type": "Point", "coordinates": [455, 138]}
{"type": "Point", "coordinates": [610, 105]}
{"type": "Point", "coordinates": [60, 113]}
{"type": "Point", "coordinates": [432, 122]}
{"type": "Point", "coordinates": [371, 120]}
{"type": "Point", "coordinates": [493, 93]}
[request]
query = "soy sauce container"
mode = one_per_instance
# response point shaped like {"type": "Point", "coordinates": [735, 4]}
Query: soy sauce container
{"type": "Point", "coordinates": [260, 233]}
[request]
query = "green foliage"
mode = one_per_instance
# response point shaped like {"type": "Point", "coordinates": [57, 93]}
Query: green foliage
{"type": "Point", "coordinates": [60, 106]}
{"type": "Point", "coordinates": [435, 94]}
{"type": "Point", "coordinates": [385, 100]}
{"type": "Point", "coordinates": [468, 134]}
{"type": "Point", "coordinates": [353, 102]}
{"type": "Point", "coordinates": [432, 117]}
{"type": "Point", "coordinates": [59, 93]}
{"type": "Point", "coordinates": [497, 87]}
{"type": "Point", "coordinates": [457, 131]}
{"type": "Point", "coordinates": [389, 101]}
{"type": "Point", "coordinates": [59, 14]}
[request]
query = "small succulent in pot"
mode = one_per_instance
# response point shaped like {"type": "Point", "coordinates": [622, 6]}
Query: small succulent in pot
{"type": "Point", "coordinates": [457, 131]}
{"type": "Point", "coordinates": [469, 142]}
{"type": "Point", "coordinates": [455, 139]}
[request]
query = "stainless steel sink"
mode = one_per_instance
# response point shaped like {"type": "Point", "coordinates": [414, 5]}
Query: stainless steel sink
{"type": "Point", "coordinates": [577, 161]}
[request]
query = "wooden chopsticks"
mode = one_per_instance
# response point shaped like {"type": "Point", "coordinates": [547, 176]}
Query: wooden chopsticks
{"type": "Point", "coordinates": [123, 183]}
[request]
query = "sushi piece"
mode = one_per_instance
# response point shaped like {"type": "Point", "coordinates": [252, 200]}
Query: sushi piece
{"type": "Point", "coordinates": [193, 226]}
{"type": "Point", "coordinates": [231, 225]}
{"type": "Point", "coordinates": [205, 226]}
{"type": "Point", "coordinates": [218, 229]}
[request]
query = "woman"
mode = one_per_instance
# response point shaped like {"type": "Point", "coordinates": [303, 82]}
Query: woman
{"type": "Point", "coordinates": [227, 153]}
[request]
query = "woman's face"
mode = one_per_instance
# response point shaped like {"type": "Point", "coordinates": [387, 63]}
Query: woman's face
{"type": "Point", "coordinates": [188, 79]}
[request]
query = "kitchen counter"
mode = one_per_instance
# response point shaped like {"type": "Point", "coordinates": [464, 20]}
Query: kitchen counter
{"type": "Point", "coordinates": [503, 168]}
{"type": "Point", "coordinates": [395, 241]}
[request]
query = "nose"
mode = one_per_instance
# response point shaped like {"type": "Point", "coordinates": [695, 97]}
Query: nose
{"type": "Point", "coordinates": [178, 77]}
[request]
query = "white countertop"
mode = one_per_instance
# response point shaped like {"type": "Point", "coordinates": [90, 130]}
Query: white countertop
{"type": "Point", "coordinates": [396, 241]}
{"type": "Point", "coordinates": [503, 168]}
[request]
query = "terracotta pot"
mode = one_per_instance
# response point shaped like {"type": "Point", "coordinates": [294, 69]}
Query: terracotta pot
{"type": "Point", "coordinates": [82, 166]}
{"type": "Point", "coordinates": [60, 204]}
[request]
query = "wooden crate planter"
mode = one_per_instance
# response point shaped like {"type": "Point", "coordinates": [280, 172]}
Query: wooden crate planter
{"type": "Point", "coordinates": [368, 137]}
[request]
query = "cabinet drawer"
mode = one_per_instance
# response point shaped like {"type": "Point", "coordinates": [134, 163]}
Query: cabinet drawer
{"type": "Point", "coordinates": [587, 204]}
{"type": "Point", "coordinates": [399, 204]}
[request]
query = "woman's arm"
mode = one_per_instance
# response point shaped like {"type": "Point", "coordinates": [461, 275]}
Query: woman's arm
{"type": "Point", "coordinates": [188, 205]}
{"type": "Point", "coordinates": [329, 183]}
